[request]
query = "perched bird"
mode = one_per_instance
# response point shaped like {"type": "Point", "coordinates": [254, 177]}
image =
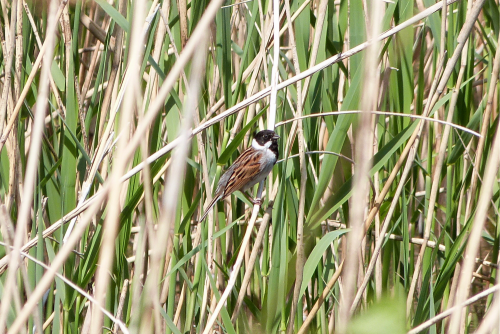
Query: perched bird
{"type": "Point", "coordinates": [251, 167]}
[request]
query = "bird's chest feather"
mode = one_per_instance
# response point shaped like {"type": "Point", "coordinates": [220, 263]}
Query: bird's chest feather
{"type": "Point", "coordinates": [267, 160]}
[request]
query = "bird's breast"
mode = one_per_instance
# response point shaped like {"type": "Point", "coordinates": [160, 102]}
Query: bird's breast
{"type": "Point", "coordinates": [267, 160]}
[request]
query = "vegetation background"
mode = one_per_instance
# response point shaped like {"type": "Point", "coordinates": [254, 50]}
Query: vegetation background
{"type": "Point", "coordinates": [117, 119]}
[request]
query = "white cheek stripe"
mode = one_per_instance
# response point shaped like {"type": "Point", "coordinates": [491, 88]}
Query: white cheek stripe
{"type": "Point", "coordinates": [259, 147]}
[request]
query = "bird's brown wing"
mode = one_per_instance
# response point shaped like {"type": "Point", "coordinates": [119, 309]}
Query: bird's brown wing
{"type": "Point", "coordinates": [245, 168]}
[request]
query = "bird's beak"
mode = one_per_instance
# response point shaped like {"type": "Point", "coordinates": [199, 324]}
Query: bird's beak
{"type": "Point", "coordinates": [276, 136]}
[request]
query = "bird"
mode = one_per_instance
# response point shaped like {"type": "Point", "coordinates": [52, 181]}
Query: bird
{"type": "Point", "coordinates": [251, 167]}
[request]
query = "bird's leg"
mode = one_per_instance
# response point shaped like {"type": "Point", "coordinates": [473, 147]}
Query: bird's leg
{"type": "Point", "coordinates": [255, 201]}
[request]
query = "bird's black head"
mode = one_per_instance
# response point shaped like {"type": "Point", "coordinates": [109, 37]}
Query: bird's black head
{"type": "Point", "coordinates": [266, 136]}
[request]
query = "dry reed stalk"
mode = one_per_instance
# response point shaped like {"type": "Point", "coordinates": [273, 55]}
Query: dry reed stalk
{"type": "Point", "coordinates": [299, 266]}
{"type": "Point", "coordinates": [31, 170]}
{"type": "Point", "coordinates": [483, 204]}
{"type": "Point", "coordinates": [110, 225]}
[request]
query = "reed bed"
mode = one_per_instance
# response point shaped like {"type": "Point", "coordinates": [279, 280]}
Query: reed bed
{"type": "Point", "coordinates": [118, 118]}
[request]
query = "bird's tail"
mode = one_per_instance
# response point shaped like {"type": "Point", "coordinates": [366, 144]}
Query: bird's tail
{"type": "Point", "coordinates": [209, 208]}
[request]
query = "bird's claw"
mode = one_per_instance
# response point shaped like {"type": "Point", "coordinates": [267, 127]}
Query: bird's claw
{"type": "Point", "coordinates": [257, 201]}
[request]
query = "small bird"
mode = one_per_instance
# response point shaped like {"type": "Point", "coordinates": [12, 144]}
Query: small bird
{"type": "Point", "coordinates": [251, 167]}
